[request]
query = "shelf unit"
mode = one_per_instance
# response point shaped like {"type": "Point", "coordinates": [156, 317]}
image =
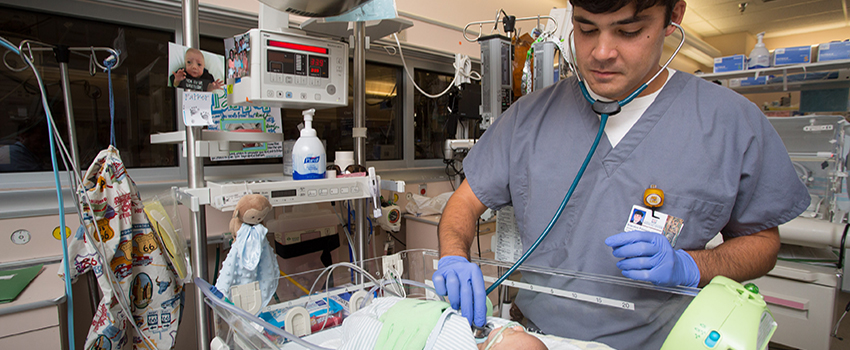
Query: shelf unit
{"type": "Point", "coordinates": [841, 66]}
{"type": "Point", "coordinates": [198, 144]}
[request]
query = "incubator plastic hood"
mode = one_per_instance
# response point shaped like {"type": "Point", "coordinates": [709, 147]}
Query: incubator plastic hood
{"type": "Point", "coordinates": [314, 8]}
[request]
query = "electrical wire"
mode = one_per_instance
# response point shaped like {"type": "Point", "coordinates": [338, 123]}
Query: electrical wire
{"type": "Point", "coordinates": [462, 65]}
{"type": "Point", "coordinates": [344, 226]}
{"type": "Point", "coordinates": [835, 330]}
{"type": "Point", "coordinates": [396, 238]}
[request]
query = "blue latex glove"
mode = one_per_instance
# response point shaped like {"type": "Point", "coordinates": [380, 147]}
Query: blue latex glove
{"type": "Point", "coordinates": [649, 257]}
{"type": "Point", "coordinates": [463, 282]}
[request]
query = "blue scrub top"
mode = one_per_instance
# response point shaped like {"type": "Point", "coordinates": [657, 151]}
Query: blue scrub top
{"type": "Point", "coordinates": [720, 163]}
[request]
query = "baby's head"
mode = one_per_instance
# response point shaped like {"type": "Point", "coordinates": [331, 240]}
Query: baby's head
{"type": "Point", "coordinates": [512, 336]}
{"type": "Point", "coordinates": [194, 63]}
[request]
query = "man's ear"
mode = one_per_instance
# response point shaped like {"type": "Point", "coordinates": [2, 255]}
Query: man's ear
{"type": "Point", "coordinates": [676, 16]}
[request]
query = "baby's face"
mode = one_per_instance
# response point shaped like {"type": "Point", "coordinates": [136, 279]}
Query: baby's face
{"type": "Point", "coordinates": [512, 338]}
{"type": "Point", "coordinates": [194, 64]}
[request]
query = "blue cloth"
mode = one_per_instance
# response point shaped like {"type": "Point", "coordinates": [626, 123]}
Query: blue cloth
{"type": "Point", "coordinates": [250, 259]}
{"type": "Point", "coordinates": [718, 160]}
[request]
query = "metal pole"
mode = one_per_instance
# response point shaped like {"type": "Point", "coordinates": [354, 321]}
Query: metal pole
{"type": "Point", "coordinates": [360, 123]}
{"type": "Point", "coordinates": [63, 55]}
{"type": "Point", "coordinates": [69, 112]}
{"type": "Point", "coordinates": [191, 39]}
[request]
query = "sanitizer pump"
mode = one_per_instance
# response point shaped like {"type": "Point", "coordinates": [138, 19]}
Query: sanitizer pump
{"type": "Point", "coordinates": [308, 154]}
{"type": "Point", "coordinates": [759, 57]}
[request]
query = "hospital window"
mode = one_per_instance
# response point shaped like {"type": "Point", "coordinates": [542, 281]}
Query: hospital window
{"type": "Point", "coordinates": [383, 116]}
{"type": "Point", "coordinates": [143, 103]}
{"type": "Point", "coordinates": [434, 122]}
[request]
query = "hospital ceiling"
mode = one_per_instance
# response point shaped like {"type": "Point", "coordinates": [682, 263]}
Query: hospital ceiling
{"type": "Point", "coordinates": [709, 18]}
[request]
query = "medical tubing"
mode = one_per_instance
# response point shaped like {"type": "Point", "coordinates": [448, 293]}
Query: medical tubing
{"type": "Point", "coordinates": [329, 271]}
{"type": "Point", "coordinates": [218, 302]}
{"type": "Point", "coordinates": [603, 120]}
{"type": "Point", "coordinates": [410, 283]}
{"type": "Point", "coordinates": [344, 225]}
{"type": "Point", "coordinates": [371, 233]}
{"type": "Point", "coordinates": [496, 339]}
{"type": "Point", "coordinates": [100, 255]}
{"type": "Point", "coordinates": [68, 291]}
{"type": "Point", "coordinates": [351, 256]}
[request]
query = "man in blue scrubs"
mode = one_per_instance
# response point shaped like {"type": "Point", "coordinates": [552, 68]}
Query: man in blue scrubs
{"type": "Point", "coordinates": [720, 163]}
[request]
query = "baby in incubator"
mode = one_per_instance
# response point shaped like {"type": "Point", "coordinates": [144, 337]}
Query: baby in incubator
{"type": "Point", "coordinates": [397, 323]}
{"type": "Point", "coordinates": [511, 336]}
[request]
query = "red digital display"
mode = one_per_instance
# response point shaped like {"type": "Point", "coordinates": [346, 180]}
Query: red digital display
{"type": "Point", "coordinates": [318, 66]}
{"type": "Point", "coordinates": [299, 47]}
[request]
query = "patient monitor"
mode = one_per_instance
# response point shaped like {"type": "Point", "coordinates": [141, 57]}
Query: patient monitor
{"type": "Point", "coordinates": [292, 70]}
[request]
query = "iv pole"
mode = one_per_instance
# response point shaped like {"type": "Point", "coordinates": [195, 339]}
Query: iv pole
{"type": "Point", "coordinates": [197, 225]}
{"type": "Point", "coordinates": [63, 56]}
{"type": "Point", "coordinates": [359, 77]}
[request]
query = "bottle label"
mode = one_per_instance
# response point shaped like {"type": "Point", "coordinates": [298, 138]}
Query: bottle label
{"type": "Point", "coordinates": [308, 166]}
{"type": "Point", "coordinates": [298, 176]}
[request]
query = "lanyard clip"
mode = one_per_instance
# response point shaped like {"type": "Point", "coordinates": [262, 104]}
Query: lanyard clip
{"type": "Point", "coordinates": [653, 198]}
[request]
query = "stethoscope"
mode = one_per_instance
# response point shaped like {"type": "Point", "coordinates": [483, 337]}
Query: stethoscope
{"type": "Point", "coordinates": [604, 109]}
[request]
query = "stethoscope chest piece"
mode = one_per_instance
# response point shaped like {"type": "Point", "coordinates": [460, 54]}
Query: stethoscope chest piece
{"type": "Point", "coordinates": [602, 107]}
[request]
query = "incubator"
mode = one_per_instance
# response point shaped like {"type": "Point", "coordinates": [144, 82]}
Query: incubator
{"type": "Point", "coordinates": [316, 317]}
{"type": "Point", "coordinates": [815, 144]}
{"type": "Point", "coordinates": [802, 289]}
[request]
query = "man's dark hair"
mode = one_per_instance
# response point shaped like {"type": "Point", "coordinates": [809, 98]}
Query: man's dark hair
{"type": "Point", "coordinates": [605, 6]}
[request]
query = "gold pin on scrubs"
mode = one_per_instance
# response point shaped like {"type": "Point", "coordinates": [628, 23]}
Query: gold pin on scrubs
{"type": "Point", "coordinates": [653, 198]}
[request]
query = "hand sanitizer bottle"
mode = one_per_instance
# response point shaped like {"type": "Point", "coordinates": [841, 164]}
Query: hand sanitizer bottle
{"type": "Point", "coordinates": [308, 154]}
{"type": "Point", "coordinates": [759, 57]}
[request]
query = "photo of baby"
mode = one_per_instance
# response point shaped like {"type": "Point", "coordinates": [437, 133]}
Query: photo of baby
{"type": "Point", "coordinates": [193, 69]}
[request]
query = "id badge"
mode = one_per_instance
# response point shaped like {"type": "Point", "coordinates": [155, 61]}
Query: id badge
{"type": "Point", "coordinates": [643, 219]}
